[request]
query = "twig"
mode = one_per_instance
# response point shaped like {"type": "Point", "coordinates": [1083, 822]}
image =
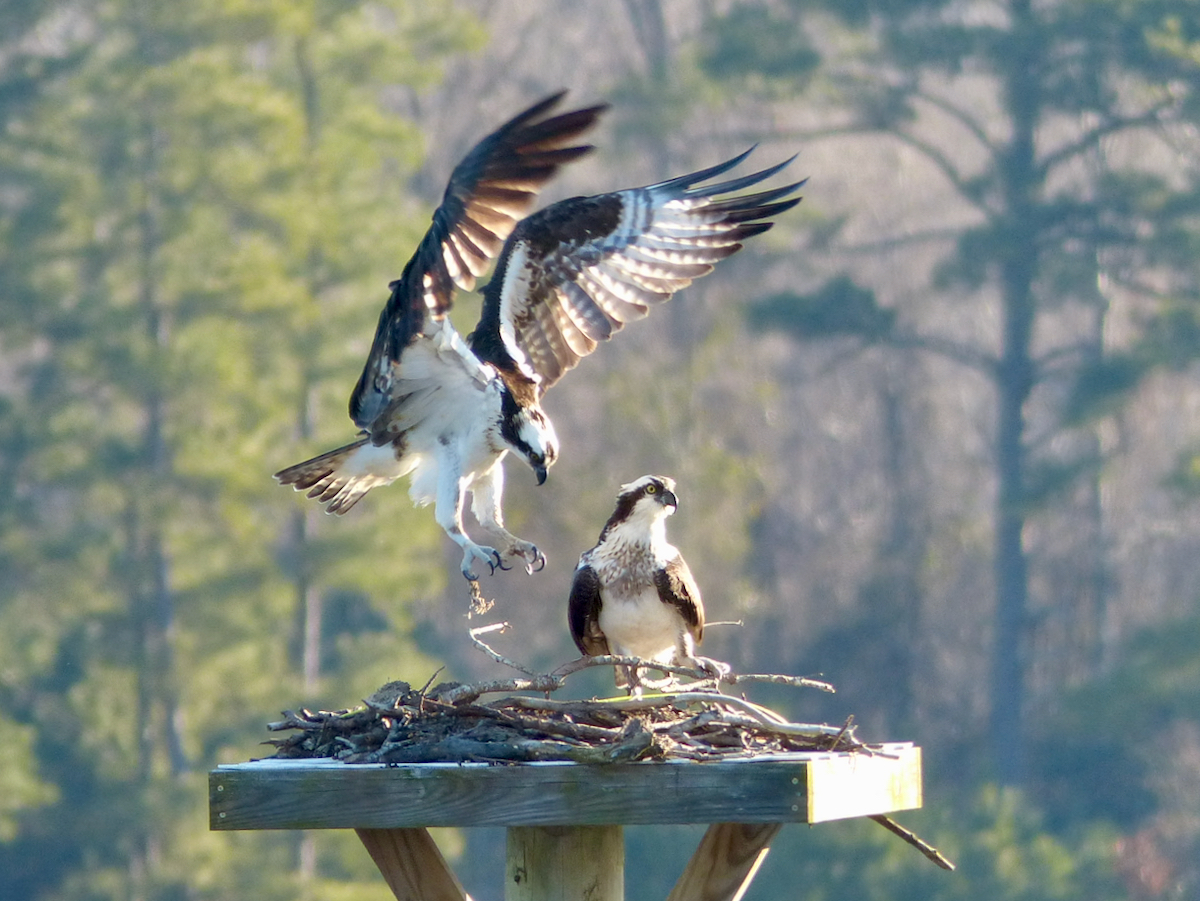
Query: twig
{"type": "Point", "coordinates": [578, 731]}
{"type": "Point", "coordinates": [730, 678]}
{"type": "Point", "coordinates": [802, 730]}
{"type": "Point", "coordinates": [647, 702]}
{"type": "Point", "coordinates": [846, 728]}
{"type": "Point", "coordinates": [758, 716]}
{"type": "Point", "coordinates": [568, 728]}
{"type": "Point", "coordinates": [915, 840]}
{"type": "Point", "coordinates": [760, 713]}
{"type": "Point", "coordinates": [776, 679]}
{"type": "Point", "coordinates": [487, 630]}
{"type": "Point", "coordinates": [424, 688]}
{"type": "Point", "coordinates": [290, 721]}
{"type": "Point", "coordinates": [496, 655]}
{"type": "Point", "coordinates": [559, 675]}
{"type": "Point", "coordinates": [471, 691]}
{"type": "Point", "coordinates": [389, 709]}
{"type": "Point", "coordinates": [583, 663]}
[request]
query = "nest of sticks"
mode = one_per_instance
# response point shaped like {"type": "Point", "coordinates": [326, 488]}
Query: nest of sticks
{"type": "Point", "coordinates": [693, 717]}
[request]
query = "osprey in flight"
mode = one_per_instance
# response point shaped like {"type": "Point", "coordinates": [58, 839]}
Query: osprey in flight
{"type": "Point", "coordinates": [447, 410]}
{"type": "Point", "coordinates": [633, 593]}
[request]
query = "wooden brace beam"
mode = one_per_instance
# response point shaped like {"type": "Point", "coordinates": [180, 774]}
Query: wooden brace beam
{"type": "Point", "coordinates": [412, 865]}
{"type": "Point", "coordinates": [726, 862]}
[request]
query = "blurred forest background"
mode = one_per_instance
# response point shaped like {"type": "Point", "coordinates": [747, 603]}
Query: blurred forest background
{"type": "Point", "coordinates": [936, 434]}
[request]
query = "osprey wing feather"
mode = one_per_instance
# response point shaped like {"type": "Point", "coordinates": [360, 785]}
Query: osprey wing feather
{"type": "Point", "coordinates": [425, 404]}
{"type": "Point", "coordinates": [489, 192]}
{"type": "Point", "coordinates": [574, 273]}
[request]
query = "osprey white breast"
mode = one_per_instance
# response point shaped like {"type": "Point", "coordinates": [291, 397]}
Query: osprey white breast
{"type": "Point", "coordinates": [633, 594]}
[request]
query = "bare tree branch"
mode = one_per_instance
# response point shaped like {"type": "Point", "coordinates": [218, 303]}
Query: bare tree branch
{"type": "Point", "coordinates": [951, 350]}
{"type": "Point", "coordinates": [961, 116]}
{"type": "Point", "coordinates": [943, 164]}
{"type": "Point", "coordinates": [1093, 136]}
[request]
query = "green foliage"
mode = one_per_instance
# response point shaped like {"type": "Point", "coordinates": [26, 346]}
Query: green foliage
{"type": "Point", "coordinates": [1170, 340]}
{"type": "Point", "coordinates": [996, 839]}
{"type": "Point", "coordinates": [1124, 750]}
{"type": "Point", "coordinates": [1184, 478]}
{"type": "Point", "coordinates": [1015, 111]}
{"type": "Point", "coordinates": [751, 41]}
{"type": "Point", "coordinates": [217, 202]}
{"type": "Point", "coordinates": [838, 308]}
{"type": "Point", "coordinates": [1104, 385]}
{"type": "Point", "coordinates": [1157, 682]}
{"type": "Point", "coordinates": [21, 786]}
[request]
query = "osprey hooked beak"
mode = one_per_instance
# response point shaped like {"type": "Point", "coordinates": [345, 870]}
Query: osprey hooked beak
{"type": "Point", "coordinates": [529, 433]}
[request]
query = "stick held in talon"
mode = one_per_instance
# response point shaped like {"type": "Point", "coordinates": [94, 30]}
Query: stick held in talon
{"type": "Point", "coordinates": [633, 593]}
{"type": "Point", "coordinates": [477, 604]}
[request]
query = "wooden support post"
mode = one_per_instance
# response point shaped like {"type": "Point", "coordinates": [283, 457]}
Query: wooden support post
{"type": "Point", "coordinates": [725, 863]}
{"type": "Point", "coordinates": [565, 863]}
{"type": "Point", "coordinates": [412, 865]}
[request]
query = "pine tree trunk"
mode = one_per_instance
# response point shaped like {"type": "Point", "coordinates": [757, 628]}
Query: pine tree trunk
{"type": "Point", "coordinates": [1014, 382]}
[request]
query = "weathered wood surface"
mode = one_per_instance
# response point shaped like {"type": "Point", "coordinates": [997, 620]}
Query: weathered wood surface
{"type": "Point", "coordinates": [857, 786]}
{"type": "Point", "coordinates": [805, 787]}
{"type": "Point", "coordinates": [565, 863]}
{"type": "Point", "coordinates": [726, 862]}
{"type": "Point", "coordinates": [412, 865]}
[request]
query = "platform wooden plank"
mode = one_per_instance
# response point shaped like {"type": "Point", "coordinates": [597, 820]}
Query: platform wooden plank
{"type": "Point", "coordinates": [791, 788]}
{"type": "Point", "coordinates": [857, 786]}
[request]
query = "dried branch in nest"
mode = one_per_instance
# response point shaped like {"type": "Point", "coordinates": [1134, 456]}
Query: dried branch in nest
{"type": "Point", "coordinates": [400, 725]}
{"type": "Point", "coordinates": [449, 722]}
{"type": "Point", "coordinates": [552, 681]}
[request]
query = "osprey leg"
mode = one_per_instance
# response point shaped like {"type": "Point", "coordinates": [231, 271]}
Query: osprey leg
{"type": "Point", "coordinates": [448, 508]}
{"type": "Point", "coordinates": [485, 504]}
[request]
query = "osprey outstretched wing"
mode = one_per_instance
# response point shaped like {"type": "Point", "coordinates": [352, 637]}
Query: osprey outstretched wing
{"type": "Point", "coordinates": [574, 273]}
{"type": "Point", "coordinates": [489, 192]}
{"type": "Point", "coordinates": [447, 410]}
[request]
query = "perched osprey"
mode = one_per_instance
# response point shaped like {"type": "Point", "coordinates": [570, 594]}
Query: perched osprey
{"type": "Point", "coordinates": [633, 593]}
{"type": "Point", "coordinates": [448, 410]}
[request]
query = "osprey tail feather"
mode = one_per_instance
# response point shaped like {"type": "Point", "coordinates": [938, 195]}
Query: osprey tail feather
{"type": "Point", "coordinates": [340, 477]}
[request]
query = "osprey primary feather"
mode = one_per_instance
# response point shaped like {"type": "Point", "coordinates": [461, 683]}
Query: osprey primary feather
{"type": "Point", "coordinates": [448, 410]}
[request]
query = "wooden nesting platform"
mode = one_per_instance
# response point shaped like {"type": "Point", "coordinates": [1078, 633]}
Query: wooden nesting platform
{"type": "Point", "coordinates": [564, 819]}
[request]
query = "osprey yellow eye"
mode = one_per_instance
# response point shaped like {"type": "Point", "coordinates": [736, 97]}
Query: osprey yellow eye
{"type": "Point", "coordinates": [651, 489]}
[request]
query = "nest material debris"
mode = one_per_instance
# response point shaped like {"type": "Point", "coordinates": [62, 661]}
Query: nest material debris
{"type": "Point", "coordinates": [398, 724]}
{"type": "Point", "coordinates": [452, 723]}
